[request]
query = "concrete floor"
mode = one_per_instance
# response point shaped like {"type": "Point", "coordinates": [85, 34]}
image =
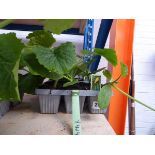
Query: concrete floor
{"type": "Point", "coordinates": [25, 119]}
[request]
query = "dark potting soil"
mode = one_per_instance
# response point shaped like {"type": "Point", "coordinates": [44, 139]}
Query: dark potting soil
{"type": "Point", "coordinates": [78, 86]}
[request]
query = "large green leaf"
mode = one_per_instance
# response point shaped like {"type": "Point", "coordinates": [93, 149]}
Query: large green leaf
{"type": "Point", "coordinates": [59, 60]}
{"type": "Point", "coordinates": [81, 68]}
{"type": "Point", "coordinates": [35, 67]}
{"type": "Point", "coordinates": [41, 37]}
{"type": "Point", "coordinates": [78, 69]}
{"type": "Point", "coordinates": [58, 25]}
{"type": "Point", "coordinates": [104, 96]}
{"type": "Point", "coordinates": [109, 54]}
{"type": "Point", "coordinates": [32, 63]}
{"type": "Point", "coordinates": [10, 51]}
{"type": "Point", "coordinates": [124, 69]}
{"type": "Point", "coordinates": [28, 83]}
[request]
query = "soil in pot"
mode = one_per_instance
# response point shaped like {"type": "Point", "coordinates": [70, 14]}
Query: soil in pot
{"type": "Point", "coordinates": [78, 86]}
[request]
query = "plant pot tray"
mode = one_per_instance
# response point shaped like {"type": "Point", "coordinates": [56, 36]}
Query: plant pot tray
{"type": "Point", "coordinates": [50, 99]}
{"type": "Point", "coordinates": [45, 97]}
{"type": "Point", "coordinates": [56, 92]}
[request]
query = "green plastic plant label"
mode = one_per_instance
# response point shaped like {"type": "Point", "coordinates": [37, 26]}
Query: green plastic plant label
{"type": "Point", "coordinates": [76, 112]}
{"type": "Point", "coordinates": [95, 82]}
{"type": "Point", "coordinates": [95, 85]}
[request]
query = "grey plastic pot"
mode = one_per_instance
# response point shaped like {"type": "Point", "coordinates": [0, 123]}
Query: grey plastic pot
{"type": "Point", "coordinates": [49, 104]}
{"type": "Point", "coordinates": [82, 95]}
{"type": "Point", "coordinates": [4, 107]}
{"type": "Point", "coordinates": [68, 103]}
{"type": "Point", "coordinates": [93, 106]}
{"type": "Point", "coordinates": [50, 99]}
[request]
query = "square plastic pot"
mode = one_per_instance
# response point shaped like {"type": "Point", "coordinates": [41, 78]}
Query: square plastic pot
{"type": "Point", "coordinates": [68, 103]}
{"type": "Point", "coordinates": [93, 106]}
{"type": "Point", "coordinates": [49, 104]}
{"type": "Point", "coordinates": [4, 107]}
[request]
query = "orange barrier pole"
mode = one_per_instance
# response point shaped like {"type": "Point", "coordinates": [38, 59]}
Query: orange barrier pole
{"type": "Point", "coordinates": [122, 41]}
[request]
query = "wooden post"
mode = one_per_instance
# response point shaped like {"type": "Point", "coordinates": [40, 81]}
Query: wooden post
{"type": "Point", "coordinates": [131, 104]}
{"type": "Point", "coordinates": [131, 107]}
{"type": "Point", "coordinates": [82, 25]}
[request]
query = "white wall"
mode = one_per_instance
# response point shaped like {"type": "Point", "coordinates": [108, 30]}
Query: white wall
{"type": "Point", "coordinates": [144, 70]}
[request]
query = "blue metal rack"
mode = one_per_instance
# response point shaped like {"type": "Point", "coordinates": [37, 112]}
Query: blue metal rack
{"type": "Point", "coordinates": [88, 35]}
{"type": "Point", "coordinates": [101, 39]}
{"type": "Point", "coordinates": [88, 38]}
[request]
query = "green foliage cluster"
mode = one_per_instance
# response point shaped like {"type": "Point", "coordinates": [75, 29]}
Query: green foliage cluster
{"type": "Point", "coordinates": [41, 60]}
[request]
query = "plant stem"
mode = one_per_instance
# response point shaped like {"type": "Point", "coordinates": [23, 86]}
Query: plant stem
{"type": "Point", "coordinates": [132, 97]}
{"type": "Point", "coordinates": [111, 82]}
{"type": "Point", "coordinates": [5, 23]}
{"type": "Point", "coordinates": [115, 81]}
{"type": "Point", "coordinates": [55, 83]}
{"type": "Point", "coordinates": [67, 78]}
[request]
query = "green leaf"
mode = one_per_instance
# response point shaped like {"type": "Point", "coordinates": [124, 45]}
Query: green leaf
{"type": "Point", "coordinates": [35, 67]}
{"type": "Point", "coordinates": [70, 83]}
{"type": "Point", "coordinates": [78, 69]}
{"type": "Point", "coordinates": [124, 69]}
{"type": "Point", "coordinates": [104, 96]}
{"type": "Point", "coordinates": [28, 83]}
{"type": "Point", "coordinates": [10, 51]}
{"type": "Point", "coordinates": [109, 54]}
{"type": "Point", "coordinates": [32, 63]}
{"type": "Point", "coordinates": [107, 74]}
{"type": "Point", "coordinates": [59, 60]}
{"type": "Point", "coordinates": [41, 37]}
{"type": "Point", "coordinates": [58, 25]}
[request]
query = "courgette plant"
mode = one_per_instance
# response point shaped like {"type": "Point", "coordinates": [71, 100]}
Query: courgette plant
{"type": "Point", "coordinates": [40, 59]}
{"type": "Point", "coordinates": [15, 55]}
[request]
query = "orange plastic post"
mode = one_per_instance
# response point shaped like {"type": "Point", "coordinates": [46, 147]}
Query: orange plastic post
{"type": "Point", "coordinates": [122, 41]}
